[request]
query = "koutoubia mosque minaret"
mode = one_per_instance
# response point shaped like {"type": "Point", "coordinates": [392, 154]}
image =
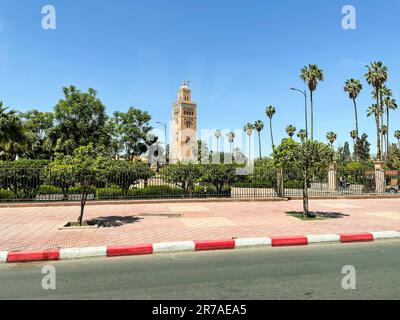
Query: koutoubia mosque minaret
{"type": "Point", "coordinates": [184, 124]}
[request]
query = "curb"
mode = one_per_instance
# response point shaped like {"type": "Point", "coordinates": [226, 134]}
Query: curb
{"type": "Point", "coordinates": [190, 246]}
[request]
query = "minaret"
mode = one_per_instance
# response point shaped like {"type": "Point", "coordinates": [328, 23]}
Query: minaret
{"type": "Point", "coordinates": [184, 124]}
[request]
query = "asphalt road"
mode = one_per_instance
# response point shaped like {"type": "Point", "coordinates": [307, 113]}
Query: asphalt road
{"type": "Point", "coordinates": [312, 272]}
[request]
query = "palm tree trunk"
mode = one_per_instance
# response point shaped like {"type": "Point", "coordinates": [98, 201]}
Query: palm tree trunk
{"type": "Point", "coordinates": [272, 137]}
{"type": "Point", "coordinates": [378, 133]}
{"type": "Point", "coordinates": [387, 135]}
{"type": "Point", "coordinates": [356, 117]}
{"type": "Point", "coordinates": [378, 137]}
{"type": "Point", "coordinates": [259, 142]}
{"type": "Point", "coordinates": [312, 116]}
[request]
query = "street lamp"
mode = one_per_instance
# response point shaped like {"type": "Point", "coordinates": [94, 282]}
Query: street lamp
{"type": "Point", "coordinates": [165, 130]}
{"type": "Point", "coordinates": [305, 107]}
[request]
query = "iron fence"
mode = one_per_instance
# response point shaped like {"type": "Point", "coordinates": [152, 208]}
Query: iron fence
{"type": "Point", "coordinates": [42, 185]}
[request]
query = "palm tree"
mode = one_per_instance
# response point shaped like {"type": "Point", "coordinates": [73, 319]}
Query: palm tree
{"type": "Point", "coordinates": [270, 111]}
{"type": "Point", "coordinates": [353, 87]}
{"type": "Point", "coordinates": [311, 74]}
{"type": "Point", "coordinates": [331, 137]}
{"type": "Point", "coordinates": [217, 135]}
{"type": "Point", "coordinates": [11, 128]}
{"type": "Point", "coordinates": [376, 76]}
{"type": "Point", "coordinates": [384, 93]}
{"type": "Point", "coordinates": [390, 104]}
{"type": "Point", "coordinates": [259, 126]}
{"type": "Point", "coordinates": [374, 110]}
{"type": "Point", "coordinates": [248, 128]}
{"type": "Point", "coordinates": [302, 135]}
{"type": "Point", "coordinates": [397, 136]}
{"type": "Point", "coordinates": [231, 137]}
{"type": "Point", "coordinates": [290, 130]}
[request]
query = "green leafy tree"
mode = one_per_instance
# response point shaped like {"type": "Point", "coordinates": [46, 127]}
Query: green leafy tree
{"type": "Point", "coordinates": [362, 149]}
{"type": "Point", "coordinates": [87, 166]}
{"type": "Point", "coordinates": [353, 87]}
{"type": "Point", "coordinates": [81, 120]}
{"type": "Point", "coordinates": [183, 175]}
{"type": "Point", "coordinates": [37, 125]}
{"type": "Point", "coordinates": [127, 174]}
{"type": "Point", "coordinates": [219, 175]}
{"type": "Point", "coordinates": [23, 177]}
{"type": "Point", "coordinates": [133, 132]}
{"type": "Point", "coordinates": [308, 157]}
{"type": "Point", "coordinates": [259, 126]}
{"type": "Point", "coordinates": [311, 75]}
{"type": "Point", "coordinates": [344, 154]}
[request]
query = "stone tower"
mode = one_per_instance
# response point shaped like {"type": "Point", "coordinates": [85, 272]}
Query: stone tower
{"type": "Point", "coordinates": [184, 124]}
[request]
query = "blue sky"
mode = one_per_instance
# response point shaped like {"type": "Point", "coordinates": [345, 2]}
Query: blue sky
{"type": "Point", "coordinates": [239, 55]}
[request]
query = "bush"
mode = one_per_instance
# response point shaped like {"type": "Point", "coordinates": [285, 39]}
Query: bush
{"type": "Point", "coordinates": [22, 177]}
{"type": "Point", "coordinates": [294, 184]}
{"type": "Point", "coordinates": [209, 191]}
{"type": "Point", "coordinates": [6, 195]}
{"type": "Point", "coordinates": [143, 193]}
{"type": "Point", "coordinates": [49, 189]}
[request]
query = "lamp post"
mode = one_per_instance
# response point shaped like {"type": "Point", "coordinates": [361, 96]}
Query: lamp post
{"type": "Point", "coordinates": [305, 107]}
{"type": "Point", "coordinates": [165, 142]}
{"type": "Point", "coordinates": [165, 130]}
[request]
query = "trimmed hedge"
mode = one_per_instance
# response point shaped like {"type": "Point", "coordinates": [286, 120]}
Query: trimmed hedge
{"type": "Point", "coordinates": [6, 195]}
{"type": "Point", "coordinates": [144, 193]}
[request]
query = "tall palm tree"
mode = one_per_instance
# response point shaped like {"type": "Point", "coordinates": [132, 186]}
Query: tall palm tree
{"type": "Point", "coordinates": [376, 76]}
{"type": "Point", "coordinates": [302, 135]}
{"type": "Point", "coordinates": [311, 74]}
{"type": "Point", "coordinates": [331, 137]}
{"type": "Point", "coordinates": [290, 130]}
{"type": "Point", "coordinates": [217, 135]}
{"type": "Point", "coordinates": [384, 93]}
{"type": "Point", "coordinates": [231, 137]}
{"type": "Point", "coordinates": [270, 111]}
{"type": "Point", "coordinates": [353, 87]}
{"type": "Point", "coordinates": [390, 104]}
{"type": "Point", "coordinates": [374, 110]}
{"type": "Point", "coordinates": [259, 126]}
{"type": "Point", "coordinates": [397, 136]}
{"type": "Point", "coordinates": [248, 128]}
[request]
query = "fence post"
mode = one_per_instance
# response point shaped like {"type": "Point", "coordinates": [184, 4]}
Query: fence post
{"type": "Point", "coordinates": [379, 177]}
{"type": "Point", "coordinates": [332, 176]}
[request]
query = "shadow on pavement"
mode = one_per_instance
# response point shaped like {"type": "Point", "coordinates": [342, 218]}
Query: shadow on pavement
{"type": "Point", "coordinates": [114, 221]}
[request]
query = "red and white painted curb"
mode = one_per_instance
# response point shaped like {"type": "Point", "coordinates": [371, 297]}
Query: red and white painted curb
{"type": "Point", "coordinates": [190, 246]}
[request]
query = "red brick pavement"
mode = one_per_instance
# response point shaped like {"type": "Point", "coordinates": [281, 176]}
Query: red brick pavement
{"type": "Point", "coordinates": [38, 227]}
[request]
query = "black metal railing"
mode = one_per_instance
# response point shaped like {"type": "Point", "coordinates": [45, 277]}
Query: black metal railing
{"type": "Point", "coordinates": [41, 184]}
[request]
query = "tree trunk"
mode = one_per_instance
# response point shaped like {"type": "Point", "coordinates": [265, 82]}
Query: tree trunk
{"type": "Point", "coordinates": [83, 203]}
{"type": "Point", "coordinates": [378, 134]}
{"type": "Point", "coordinates": [388, 134]}
{"type": "Point", "coordinates": [378, 137]}
{"type": "Point", "coordinates": [259, 142]}
{"type": "Point", "coordinates": [272, 137]}
{"type": "Point", "coordinates": [305, 194]}
{"type": "Point", "coordinates": [356, 117]}
{"type": "Point", "coordinates": [312, 115]}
